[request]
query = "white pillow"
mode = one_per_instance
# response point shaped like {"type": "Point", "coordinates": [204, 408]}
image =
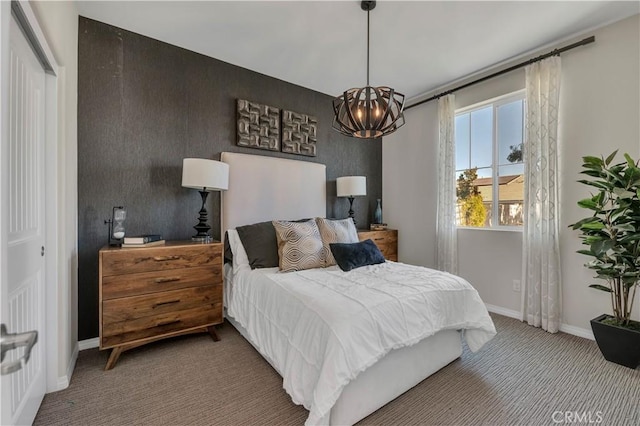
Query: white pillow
{"type": "Point", "coordinates": [240, 258]}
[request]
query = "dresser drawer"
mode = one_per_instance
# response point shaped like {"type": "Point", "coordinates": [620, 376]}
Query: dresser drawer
{"type": "Point", "coordinates": [130, 261]}
{"type": "Point", "coordinates": [386, 240]}
{"type": "Point", "coordinates": [114, 286]}
{"type": "Point", "coordinates": [131, 308]}
{"type": "Point", "coordinates": [166, 324]}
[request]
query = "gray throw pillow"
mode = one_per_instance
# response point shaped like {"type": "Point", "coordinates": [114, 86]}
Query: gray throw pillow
{"type": "Point", "coordinates": [260, 243]}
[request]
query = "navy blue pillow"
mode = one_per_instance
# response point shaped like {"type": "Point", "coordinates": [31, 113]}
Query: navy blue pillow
{"type": "Point", "coordinates": [354, 255]}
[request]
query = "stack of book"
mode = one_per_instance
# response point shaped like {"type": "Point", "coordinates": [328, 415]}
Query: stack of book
{"type": "Point", "coordinates": [143, 241]}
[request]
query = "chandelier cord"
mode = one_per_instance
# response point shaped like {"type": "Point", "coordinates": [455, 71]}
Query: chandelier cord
{"type": "Point", "coordinates": [368, 47]}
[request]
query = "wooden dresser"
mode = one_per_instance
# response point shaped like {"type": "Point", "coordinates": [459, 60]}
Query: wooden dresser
{"type": "Point", "coordinates": [386, 240]}
{"type": "Point", "coordinates": [152, 293]}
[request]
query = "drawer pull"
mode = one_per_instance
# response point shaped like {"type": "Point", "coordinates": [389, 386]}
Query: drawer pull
{"type": "Point", "coordinates": [160, 324]}
{"type": "Point", "coordinates": [170, 302]}
{"type": "Point", "coordinates": [166, 280]}
{"type": "Point", "coordinates": [165, 258]}
{"type": "Point", "coordinates": [379, 239]}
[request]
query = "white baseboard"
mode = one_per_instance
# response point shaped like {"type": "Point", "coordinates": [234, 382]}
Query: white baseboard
{"type": "Point", "coordinates": [503, 311]}
{"type": "Point", "coordinates": [64, 381]}
{"type": "Point", "coordinates": [577, 331]}
{"type": "Point", "coordinates": [565, 328]}
{"type": "Point", "coordinates": [89, 343]}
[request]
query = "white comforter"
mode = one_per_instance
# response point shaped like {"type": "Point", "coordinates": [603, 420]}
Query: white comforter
{"type": "Point", "coordinates": [320, 328]}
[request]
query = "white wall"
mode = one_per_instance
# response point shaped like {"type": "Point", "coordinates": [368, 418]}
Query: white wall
{"type": "Point", "coordinates": [600, 110]}
{"type": "Point", "coordinates": [408, 185]}
{"type": "Point", "coordinates": [59, 22]}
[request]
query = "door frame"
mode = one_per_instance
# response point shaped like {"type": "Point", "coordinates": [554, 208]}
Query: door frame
{"type": "Point", "coordinates": [21, 9]}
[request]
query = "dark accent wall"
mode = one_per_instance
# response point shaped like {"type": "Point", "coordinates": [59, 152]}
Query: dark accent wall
{"type": "Point", "coordinates": [143, 106]}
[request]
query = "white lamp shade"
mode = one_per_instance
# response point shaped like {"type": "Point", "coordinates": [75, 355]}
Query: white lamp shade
{"type": "Point", "coordinates": [205, 175]}
{"type": "Point", "coordinates": [351, 186]}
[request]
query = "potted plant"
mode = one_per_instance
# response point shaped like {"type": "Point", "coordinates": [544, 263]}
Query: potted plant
{"type": "Point", "coordinates": [612, 234]}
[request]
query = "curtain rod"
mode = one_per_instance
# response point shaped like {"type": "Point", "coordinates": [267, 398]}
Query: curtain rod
{"type": "Point", "coordinates": [554, 52]}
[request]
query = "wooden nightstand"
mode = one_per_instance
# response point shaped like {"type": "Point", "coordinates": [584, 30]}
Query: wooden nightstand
{"type": "Point", "coordinates": [151, 293]}
{"type": "Point", "coordinates": [386, 240]}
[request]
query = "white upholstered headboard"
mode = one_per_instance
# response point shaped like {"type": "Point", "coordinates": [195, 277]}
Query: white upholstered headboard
{"type": "Point", "coordinates": [265, 188]}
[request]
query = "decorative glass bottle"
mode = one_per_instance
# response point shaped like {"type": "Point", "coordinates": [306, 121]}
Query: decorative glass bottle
{"type": "Point", "coordinates": [377, 215]}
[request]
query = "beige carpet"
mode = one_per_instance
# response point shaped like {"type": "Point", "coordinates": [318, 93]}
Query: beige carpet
{"type": "Point", "coordinates": [522, 377]}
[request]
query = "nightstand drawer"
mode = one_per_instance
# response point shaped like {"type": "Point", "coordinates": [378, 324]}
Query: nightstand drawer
{"type": "Point", "coordinates": [163, 324]}
{"type": "Point", "coordinates": [386, 240]}
{"type": "Point", "coordinates": [129, 261]}
{"type": "Point", "coordinates": [131, 308]}
{"type": "Point", "coordinates": [114, 286]}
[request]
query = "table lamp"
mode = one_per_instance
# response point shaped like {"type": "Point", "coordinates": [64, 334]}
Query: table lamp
{"type": "Point", "coordinates": [205, 176]}
{"type": "Point", "coordinates": [350, 187]}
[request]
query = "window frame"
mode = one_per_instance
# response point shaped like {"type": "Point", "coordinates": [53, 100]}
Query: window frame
{"type": "Point", "coordinates": [496, 102]}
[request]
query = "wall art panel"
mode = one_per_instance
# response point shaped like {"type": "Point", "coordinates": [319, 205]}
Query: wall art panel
{"type": "Point", "coordinates": [258, 126]}
{"type": "Point", "coordinates": [299, 133]}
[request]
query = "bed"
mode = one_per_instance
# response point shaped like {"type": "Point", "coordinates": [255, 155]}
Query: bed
{"type": "Point", "coordinates": [345, 343]}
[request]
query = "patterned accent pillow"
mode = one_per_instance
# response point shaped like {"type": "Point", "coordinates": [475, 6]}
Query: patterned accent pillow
{"type": "Point", "coordinates": [299, 245]}
{"type": "Point", "coordinates": [335, 231]}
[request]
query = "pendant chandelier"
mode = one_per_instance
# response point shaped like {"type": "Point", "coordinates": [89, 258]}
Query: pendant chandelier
{"type": "Point", "coordinates": [368, 112]}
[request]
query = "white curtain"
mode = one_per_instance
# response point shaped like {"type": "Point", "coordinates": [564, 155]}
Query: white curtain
{"type": "Point", "coordinates": [447, 255]}
{"type": "Point", "coordinates": [541, 292]}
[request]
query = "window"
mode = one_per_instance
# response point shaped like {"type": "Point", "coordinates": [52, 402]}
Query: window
{"type": "Point", "coordinates": [489, 162]}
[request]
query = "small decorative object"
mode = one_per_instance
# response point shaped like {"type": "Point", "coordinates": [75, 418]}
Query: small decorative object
{"type": "Point", "coordinates": [350, 187]}
{"type": "Point", "coordinates": [142, 239]}
{"type": "Point", "coordinates": [377, 215]}
{"type": "Point", "coordinates": [378, 226]}
{"type": "Point", "coordinates": [205, 176]}
{"type": "Point", "coordinates": [151, 244]}
{"type": "Point", "coordinates": [368, 112]}
{"type": "Point", "coordinates": [116, 226]}
{"type": "Point", "coordinates": [612, 231]}
{"type": "Point", "coordinates": [299, 133]}
{"type": "Point", "coordinates": [258, 126]}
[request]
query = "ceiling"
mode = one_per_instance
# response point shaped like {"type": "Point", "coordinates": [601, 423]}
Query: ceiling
{"type": "Point", "coordinates": [416, 46]}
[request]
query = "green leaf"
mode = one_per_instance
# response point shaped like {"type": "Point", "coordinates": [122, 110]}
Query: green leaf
{"type": "Point", "coordinates": [629, 239]}
{"type": "Point", "coordinates": [588, 203]}
{"type": "Point", "coordinates": [591, 239]}
{"type": "Point", "coordinates": [593, 160]}
{"type": "Point", "coordinates": [583, 221]}
{"type": "Point", "coordinates": [601, 247]}
{"type": "Point", "coordinates": [625, 227]}
{"type": "Point", "coordinates": [600, 287]}
{"type": "Point", "coordinates": [586, 252]}
{"type": "Point", "coordinates": [610, 157]}
{"type": "Point", "coordinates": [623, 193]}
{"type": "Point", "coordinates": [630, 162]}
{"type": "Point", "coordinates": [594, 226]}
{"type": "Point", "coordinates": [592, 173]}
{"type": "Point", "coordinates": [598, 184]}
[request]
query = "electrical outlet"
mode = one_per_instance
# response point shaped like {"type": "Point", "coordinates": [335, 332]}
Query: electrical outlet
{"type": "Point", "coordinates": [516, 285]}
